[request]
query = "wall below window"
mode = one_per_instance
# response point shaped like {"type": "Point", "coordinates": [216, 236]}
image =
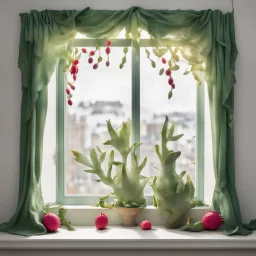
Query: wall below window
{"type": "Point", "coordinates": [11, 88]}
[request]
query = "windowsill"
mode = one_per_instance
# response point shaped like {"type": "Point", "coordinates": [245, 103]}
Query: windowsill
{"type": "Point", "coordinates": [116, 237]}
{"type": "Point", "coordinates": [81, 215]}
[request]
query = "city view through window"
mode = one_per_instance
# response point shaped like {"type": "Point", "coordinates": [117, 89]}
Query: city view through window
{"type": "Point", "coordinates": [106, 94]}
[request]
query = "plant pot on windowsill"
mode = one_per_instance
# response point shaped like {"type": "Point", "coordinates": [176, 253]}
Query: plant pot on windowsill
{"type": "Point", "coordinates": [129, 215]}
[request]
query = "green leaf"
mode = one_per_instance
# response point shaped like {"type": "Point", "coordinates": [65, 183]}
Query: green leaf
{"type": "Point", "coordinates": [186, 73]}
{"type": "Point", "coordinates": [125, 50]}
{"type": "Point", "coordinates": [176, 57]}
{"type": "Point", "coordinates": [154, 202]}
{"type": "Point", "coordinates": [124, 60]}
{"type": "Point", "coordinates": [170, 62]}
{"type": "Point", "coordinates": [153, 64]}
{"type": "Point", "coordinates": [121, 65]}
{"type": "Point", "coordinates": [104, 198]}
{"type": "Point", "coordinates": [102, 158]}
{"type": "Point", "coordinates": [157, 149]}
{"type": "Point", "coordinates": [160, 52]}
{"type": "Point", "coordinates": [176, 50]}
{"type": "Point", "coordinates": [170, 94]}
{"type": "Point", "coordinates": [197, 68]}
{"type": "Point", "coordinates": [94, 159]}
{"type": "Point", "coordinates": [76, 51]}
{"type": "Point", "coordinates": [82, 159]}
{"type": "Point", "coordinates": [100, 59]}
{"type": "Point", "coordinates": [174, 138]}
{"type": "Point", "coordinates": [147, 52]}
{"type": "Point", "coordinates": [78, 57]}
{"type": "Point", "coordinates": [161, 71]}
{"type": "Point", "coordinates": [176, 67]}
{"type": "Point", "coordinates": [189, 188]}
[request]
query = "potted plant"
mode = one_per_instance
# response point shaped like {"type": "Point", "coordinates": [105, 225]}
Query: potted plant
{"type": "Point", "coordinates": [172, 196]}
{"type": "Point", "coordinates": [127, 183]}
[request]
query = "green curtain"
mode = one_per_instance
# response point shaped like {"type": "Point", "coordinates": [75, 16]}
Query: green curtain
{"type": "Point", "coordinates": [205, 36]}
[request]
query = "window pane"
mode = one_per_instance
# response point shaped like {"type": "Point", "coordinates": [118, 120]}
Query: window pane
{"type": "Point", "coordinates": [181, 110]}
{"type": "Point", "coordinates": [99, 95]}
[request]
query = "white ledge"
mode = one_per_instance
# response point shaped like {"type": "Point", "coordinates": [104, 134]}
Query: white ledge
{"type": "Point", "coordinates": [128, 238]}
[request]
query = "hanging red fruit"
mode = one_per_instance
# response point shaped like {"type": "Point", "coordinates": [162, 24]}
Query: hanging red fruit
{"type": "Point", "coordinates": [92, 53]}
{"type": "Point", "coordinates": [168, 72]}
{"type": "Point", "coordinates": [170, 81]}
{"type": "Point", "coordinates": [107, 50]}
{"type": "Point", "coordinates": [101, 221]}
{"type": "Point", "coordinates": [107, 63]}
{"type": "Point", "coordinates": [95, 66]}
{"type": "Point", "coordinates": [145, 225]}
{"type": "Point", "coordinates": [73, 69]}
{"type": "Point", "coordinates": [76, 62]}
{"type": "Point", "coordinates": [51, 222]}
{"type": "Point", "coordinates": [163, 60]}
{"type": "Point", "coordinates": [70, 102]}
{"type": "Point", "coordinates": [108, 43]}
{"type": "Point", "coordinates": [84, 50]}
{"type": "Point", "coordinates": [74, 77]}
{"type": "Point", "coordinates": [73, 87]}
{"type": "Point", "coordinates": [67, 91]}
{"type": "Point", "coordinates": [90, 60]}
{"type": "Point", "coordinates": [173, 86]}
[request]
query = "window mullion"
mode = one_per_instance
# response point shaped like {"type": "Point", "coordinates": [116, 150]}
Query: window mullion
{"type": "Point", "coordinates": [135, 95]}
{"type": "Point", "coordinates": [200, 139]}
{"type": "Point", "coordinates": [60, 133]}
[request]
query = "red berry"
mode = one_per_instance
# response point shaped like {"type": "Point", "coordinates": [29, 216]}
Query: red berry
{"type": "Point", "coordinates": [70, 102]}
{"type": "Point", "coordinates": [108, 43]}
{"type": "Point", "coordinates": [73, 87]}
{"type": "Point", "coordinates": [73, 69]}
{"type": "Point", "coordinates": [67, 91]}
{"type": "Point", "coordinates": [90, 60]}
{"type": "Point", "coordinates": [95, 66]}
{"type": "Point", "coordinates": [74, 77]}
{"type": "Point", "coordinates": [107, 50]}
{"type": "Point", "coordinates": [168, 72]}
{"type": "Point", "coordinates": [212, 220]}
{"type": "Point", "coordinates": [145, 225]}
{"type": "Point", "coordinates": [170, 81]}
{"type": "Point", "coordinates": [76, 62]}
{"type": "Point", "coordinates": [51, 222]}
{"type": "Point", "coordinates": [92, 53]}
{"type": "Point", "coordinates": [101, 221]}
{"type": "Point", "coordinates": [163, 60]}
{"type": "Point", "coordinates": [173, 86]}
{"type": "Point", "coordinates": [107, 63]}
{"type": "Point", "coordinates": [84, 50]}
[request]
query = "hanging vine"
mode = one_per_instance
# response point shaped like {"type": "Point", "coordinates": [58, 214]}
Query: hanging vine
{"type": "Point", "coordinates": [171, 64]}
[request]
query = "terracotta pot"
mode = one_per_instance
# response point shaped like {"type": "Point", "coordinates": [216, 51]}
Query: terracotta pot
{"type": "Point", "coordinates": [129, 216]}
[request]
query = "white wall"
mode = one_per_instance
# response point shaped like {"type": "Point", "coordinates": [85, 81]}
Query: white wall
{"type": "Point", "coordinates": [11, 87]}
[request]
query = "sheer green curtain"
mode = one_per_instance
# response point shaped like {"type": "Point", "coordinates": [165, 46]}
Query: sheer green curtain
{"type": "Point", "coordinates": [205, 36]}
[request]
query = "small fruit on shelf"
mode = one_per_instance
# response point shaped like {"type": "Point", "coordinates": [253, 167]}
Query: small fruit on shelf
{"type": "Point", "coordinates": [145, 225]}
{"type": "Point", "coordinates": [51, 222]}
{"type": "Point", "coordinates": [168, 72]}
{"type": "Point", "coordinates": [101, 221]}
{"type": "Point", "coordinates": [212, 220]}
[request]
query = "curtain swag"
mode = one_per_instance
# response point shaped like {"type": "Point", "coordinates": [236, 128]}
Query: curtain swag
{"type": "Point", "coordinates": [202, 36]}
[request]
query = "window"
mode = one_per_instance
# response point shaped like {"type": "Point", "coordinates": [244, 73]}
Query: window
{"type": "Point", "coordinates": [136, 92]}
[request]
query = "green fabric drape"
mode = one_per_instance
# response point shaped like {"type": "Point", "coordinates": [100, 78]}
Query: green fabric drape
{"type": "Point", "coordinates": [205, 36]}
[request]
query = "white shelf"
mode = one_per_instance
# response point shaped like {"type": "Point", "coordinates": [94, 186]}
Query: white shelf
{"type": "Point", "coordinates": [128, 238]}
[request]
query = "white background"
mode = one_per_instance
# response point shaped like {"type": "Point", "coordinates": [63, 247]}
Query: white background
{"type": "Point", "coordinates": [245, 103]}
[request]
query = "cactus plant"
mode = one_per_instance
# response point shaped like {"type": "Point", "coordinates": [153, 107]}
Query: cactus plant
{"type": "Point", "coordinates": [172, 196]}
{"type": "Point", "coordinates": [127, 183]}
